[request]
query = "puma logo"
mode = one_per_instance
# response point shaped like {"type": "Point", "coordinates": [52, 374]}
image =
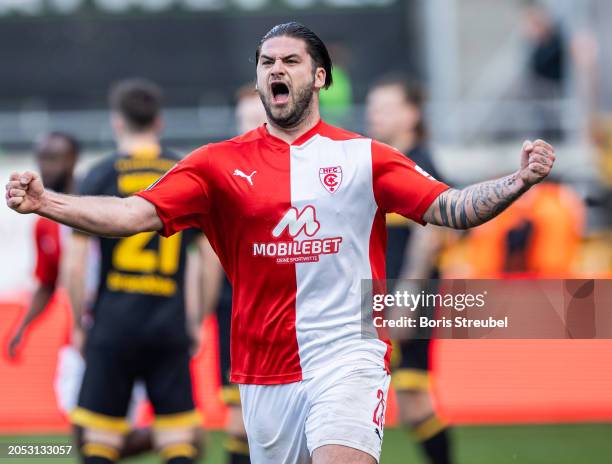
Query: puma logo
{"type": "Point", "coordinates": [239, 173]}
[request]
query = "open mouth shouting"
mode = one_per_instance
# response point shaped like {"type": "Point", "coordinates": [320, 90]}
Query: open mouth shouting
{"type": "Point", "coordinates": [280, 93]}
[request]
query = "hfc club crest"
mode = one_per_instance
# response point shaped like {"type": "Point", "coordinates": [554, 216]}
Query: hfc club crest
{"type": "Point", "coordinates": [331, 178]}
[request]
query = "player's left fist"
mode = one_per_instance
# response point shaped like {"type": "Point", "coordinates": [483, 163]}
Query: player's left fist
{"type": "Point", "coordinates": [537, 160]}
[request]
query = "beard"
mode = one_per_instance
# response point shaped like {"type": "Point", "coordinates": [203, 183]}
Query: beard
{"type": "Point", "coordinates": [301, 108]}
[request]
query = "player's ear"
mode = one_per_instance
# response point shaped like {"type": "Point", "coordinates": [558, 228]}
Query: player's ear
{"type": "Point", "coordinates": [117, 123]}
{"type": "Point", "coordinates": [320, 76]}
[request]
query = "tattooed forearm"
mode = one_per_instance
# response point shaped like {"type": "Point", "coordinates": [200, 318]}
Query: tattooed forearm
{"type": "Point", "coordinates": [443, 203]}
{"type": "Point", "coordinates": [475, 205]}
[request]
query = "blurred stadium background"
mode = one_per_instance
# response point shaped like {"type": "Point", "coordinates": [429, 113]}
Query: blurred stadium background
{"type": "Point", "coordinates": [496, 73]}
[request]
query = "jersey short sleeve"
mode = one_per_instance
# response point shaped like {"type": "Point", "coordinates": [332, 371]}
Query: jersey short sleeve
{"type": "Point", "coordinates": [47, 240]}
{"type": "Point", "coordinates": [181, 196]}
{"type": "Point", "coordinates": [400, 185]}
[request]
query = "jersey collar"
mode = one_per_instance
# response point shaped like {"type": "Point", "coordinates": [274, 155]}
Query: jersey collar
{"type": "Point", "coordinates": [305, 137]}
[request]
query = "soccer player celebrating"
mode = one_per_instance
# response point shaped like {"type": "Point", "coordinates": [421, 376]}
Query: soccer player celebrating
{"type": "Point", "coordinates": [295, 211]}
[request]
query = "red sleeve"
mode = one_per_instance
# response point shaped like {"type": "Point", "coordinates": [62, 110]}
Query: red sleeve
{"type": "Point", "coordinates": [181, 195]}
{"type": "Point", "coordinates": [400, 186]}
{"type": "Point", "coordinates": [47, 239]}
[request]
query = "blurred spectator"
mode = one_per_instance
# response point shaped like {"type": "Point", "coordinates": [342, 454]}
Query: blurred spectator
{"type": "Point", "coordinates": [547, 54]}
{"type": "Point", "coordinates": [546, 68]}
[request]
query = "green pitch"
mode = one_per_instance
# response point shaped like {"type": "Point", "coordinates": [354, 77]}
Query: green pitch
{"type": "Point", "coordinates": [546, 444]}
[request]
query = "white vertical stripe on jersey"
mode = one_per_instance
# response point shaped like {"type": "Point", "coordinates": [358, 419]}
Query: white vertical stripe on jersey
{"type": "Point", "coordinates": [328, 299]}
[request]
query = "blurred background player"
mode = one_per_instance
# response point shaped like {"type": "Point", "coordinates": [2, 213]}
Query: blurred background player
{"type": "Point", "coordinates": [395, 116]}
{"type": "Point", "coordinates": [141, 330]}
{"type": "Point", "coordinates": [250, 114]}
{"type": "Point", "coordinates": [56, 156]}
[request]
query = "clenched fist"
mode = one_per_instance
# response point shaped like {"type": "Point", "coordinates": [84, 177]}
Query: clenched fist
{"type": "Point", "coordinates": [537, 159]}
{"type": "Point", "coordinates": [24, 192]}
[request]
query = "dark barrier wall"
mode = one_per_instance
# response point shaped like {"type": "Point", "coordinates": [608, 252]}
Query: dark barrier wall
{"type": "Point", "coordinates": [199, 58]}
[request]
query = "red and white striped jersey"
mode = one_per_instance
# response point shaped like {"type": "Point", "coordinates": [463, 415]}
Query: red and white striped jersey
{"type": "Point", "coordinates": [296, 228]}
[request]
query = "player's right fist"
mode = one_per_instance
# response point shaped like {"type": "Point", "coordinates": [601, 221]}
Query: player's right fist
{"type": "Point", "coordinates": [24, 192]}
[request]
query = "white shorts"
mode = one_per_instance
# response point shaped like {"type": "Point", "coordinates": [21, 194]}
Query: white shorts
{"type": "Point", "coordinates": [342, 404]}
{"type": "Point", "coordinates": [68, 378]}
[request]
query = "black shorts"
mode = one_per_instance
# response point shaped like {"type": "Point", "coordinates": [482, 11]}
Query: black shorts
{"type": "Point", "coordinates": [410, 365]}
{"type": "Point", "coordinates": [229, 391]}
{"type": "Point", "coordinates": [110, 374]}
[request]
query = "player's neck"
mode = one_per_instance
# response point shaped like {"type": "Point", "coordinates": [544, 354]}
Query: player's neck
{"type": "Point", "coordinates": [290, 135]}
{"type": "Point", "coordinates": [129, 143]}
{"type": "Point", "coordinates": [404, 142]}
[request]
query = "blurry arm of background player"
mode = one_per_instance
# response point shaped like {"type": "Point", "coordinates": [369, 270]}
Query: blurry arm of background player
{"type": "Point", "coordinates": [106, 216]}
{"type": "Point", "coordinates": [421, 252]}
{"type": "Point", "coordinates": [212, 280]}
{"type": "Point", "coordinates": [46, 271]}
{"type": "Point", "coordinates": [39, 302]}
{"type": "Point", "coordinates": [477, 204]}
{"type": "Point", "coordinates": [418, 263]}
{"type": "Point", "coordinates": [204, 274]}
{"type": "Point", "coordinates": [193, 298]}
{"type": "Point", "coordinates": [73, 277]}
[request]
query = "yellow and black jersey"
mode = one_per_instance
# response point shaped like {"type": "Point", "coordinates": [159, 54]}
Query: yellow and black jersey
{"type": "Point", "coordinates": [399, 228]}
{"type": "Point", "coordinates": [140, 298]}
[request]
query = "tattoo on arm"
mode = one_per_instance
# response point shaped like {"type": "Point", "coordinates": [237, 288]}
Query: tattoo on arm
{"type": "Point", "coordinates": [475, 205]}
{"type": "Point", "coordinates": [442, 202]}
